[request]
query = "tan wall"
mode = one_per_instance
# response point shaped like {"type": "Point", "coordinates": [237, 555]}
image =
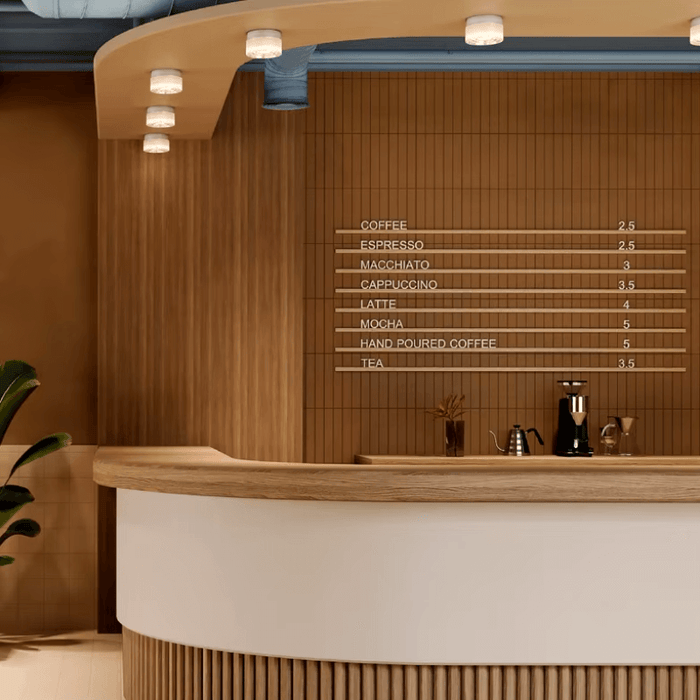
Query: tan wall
{"type": "Point", "coordinates": [502, 151]}
{"type": "Point", "coordinates": [48, 276]}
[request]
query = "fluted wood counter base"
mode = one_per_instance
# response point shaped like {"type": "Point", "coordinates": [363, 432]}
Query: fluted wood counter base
{"type": "Point", "coordinates": [157, 670]}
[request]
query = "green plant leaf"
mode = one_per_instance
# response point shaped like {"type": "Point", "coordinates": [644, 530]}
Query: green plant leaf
{"type": "Point", "coordinates": [14, 397]}
{"type": "Point", "coordinates": [17, 381]}
{"type": "Point", "coordinates": [44, 447]}
{"type": "Point", "coordinates": [5, 560]}
{"type": "Point", "coordinates": [24, 527]}
{"type": "Point", "coordinates": [12, 498]}
{"type": "Point", "coordinates": [11, 371]}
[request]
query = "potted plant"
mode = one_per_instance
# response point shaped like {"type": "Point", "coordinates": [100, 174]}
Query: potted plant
{"type": "Point", "coordinates": [450, 408]}
{"type": "Point", "coordinates": [17, 381]}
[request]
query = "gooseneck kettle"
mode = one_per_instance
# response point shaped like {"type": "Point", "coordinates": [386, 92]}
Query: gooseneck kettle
{"type": "Point", "coordinates": [517, 441]}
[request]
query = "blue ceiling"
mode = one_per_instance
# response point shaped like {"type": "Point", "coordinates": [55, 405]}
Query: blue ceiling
{"type": "Point", "coordinates": [30, 43]}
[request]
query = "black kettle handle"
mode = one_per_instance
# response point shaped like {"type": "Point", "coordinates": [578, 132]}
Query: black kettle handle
{"type": "Point", "coordinates": [534, 430]}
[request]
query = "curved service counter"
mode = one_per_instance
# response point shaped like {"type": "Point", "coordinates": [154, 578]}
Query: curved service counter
{"type": "Point", "coordinates": [401, 577]}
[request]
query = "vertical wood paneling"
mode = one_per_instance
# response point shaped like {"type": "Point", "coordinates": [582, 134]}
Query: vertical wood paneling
{"type": "Point", "coordinates": [507, 150]}
{"type": "Point", "coordinates": [127, 672]}
{"type": "Point", "coordinates": [200, 291]}
{"type": "Point", "coordinates": [228, 676]}
{"type": "Point", "coordinates": [201, 295]}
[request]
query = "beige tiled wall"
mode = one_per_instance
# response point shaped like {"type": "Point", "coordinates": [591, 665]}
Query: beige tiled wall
{"type": "Point", "coordinates": [52, 583]}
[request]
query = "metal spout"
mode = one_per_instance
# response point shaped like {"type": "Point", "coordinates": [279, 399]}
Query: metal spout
{"type": "Point", "coordinates": [500, 449]}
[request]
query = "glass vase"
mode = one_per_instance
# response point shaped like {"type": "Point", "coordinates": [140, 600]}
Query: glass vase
{"type": "Point", "coordinates": [454, 438]}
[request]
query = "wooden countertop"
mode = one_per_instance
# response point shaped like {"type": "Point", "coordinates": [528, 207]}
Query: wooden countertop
{"type": "Point", "coordinates": [205, 471]}
{"type": "Point", "coordinates": [537, 462]}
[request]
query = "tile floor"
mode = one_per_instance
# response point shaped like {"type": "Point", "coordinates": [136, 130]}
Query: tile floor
{"type": "Point", "coordinates": [66, 666]}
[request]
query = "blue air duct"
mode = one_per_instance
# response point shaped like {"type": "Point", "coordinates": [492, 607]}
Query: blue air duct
{"type": "Point", "coordinates": [122, 9]}
{"type": "Point", "coordinates": [13, 6]}
{"type": "Point", "coordinates": [286, 79]}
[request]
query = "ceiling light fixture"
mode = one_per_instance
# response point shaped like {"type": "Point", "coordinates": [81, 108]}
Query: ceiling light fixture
{"type": "Point", "coordinates": [263, 43]}
{"type": "Point", "coordinates": [156, 143]}
{"type": "Point", "coordinates": [695, 31]}
{"type": "Point", "coordinates": [484, 30]}
{"type": "Point", "coordinates": [166, 81]}
{"type": "Point", "coordinates": [160, 117]}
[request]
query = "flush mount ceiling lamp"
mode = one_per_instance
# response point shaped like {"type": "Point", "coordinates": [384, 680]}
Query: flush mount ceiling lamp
{"type": "Point", "coordinates": [263, 43]}
{"type": "Point", "coordinates": [695, 31]}
{"type": "Point", "coordinates": [156, 143]}
{"type": "Point", "coordinates": [161, 117]}
{"type": "Point", "coordinates": [166, 81]}
{"type": "Point", "coordinates": [484, 30]}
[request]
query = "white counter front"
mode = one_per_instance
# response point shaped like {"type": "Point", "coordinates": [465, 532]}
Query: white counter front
{"type": "Point", "coordinates": [413, 583]}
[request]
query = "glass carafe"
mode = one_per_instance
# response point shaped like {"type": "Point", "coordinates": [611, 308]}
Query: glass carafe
{"type": "Point", "coordinates": [610, 436]}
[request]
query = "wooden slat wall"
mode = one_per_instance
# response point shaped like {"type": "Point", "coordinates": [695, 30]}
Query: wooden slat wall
{"type": "Point", "coordinates": [200, 294]}
{"type": "Point", "coordinates": [501, 151]}
{"type": "Point", "coordinates": [158, 670]}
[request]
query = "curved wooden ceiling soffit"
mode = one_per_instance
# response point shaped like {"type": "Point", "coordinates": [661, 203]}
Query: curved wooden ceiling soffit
{"type": "Point", "coordinates": [208, 45]}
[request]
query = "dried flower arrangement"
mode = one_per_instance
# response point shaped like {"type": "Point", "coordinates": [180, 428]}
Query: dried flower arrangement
{"type": "Point", "coordinates": [449, 408]}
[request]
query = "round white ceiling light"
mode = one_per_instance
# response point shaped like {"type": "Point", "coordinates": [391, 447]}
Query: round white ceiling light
{"type": "Point", "coordinates": [156, 143]}
{"type": "Point", "coordinates": [484, 30]}
{"type": "Point", "coordinates": [263, 43]}
{"type": "Point", "coordinates": [166, 81]}
{"type": "Point", "coordinates": [695, 31]}
{"type": "Point", "coordinates": [160, 117]}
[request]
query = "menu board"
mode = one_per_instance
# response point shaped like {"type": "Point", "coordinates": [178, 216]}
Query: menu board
{"type": "Point", "coordinates": [420, 300]}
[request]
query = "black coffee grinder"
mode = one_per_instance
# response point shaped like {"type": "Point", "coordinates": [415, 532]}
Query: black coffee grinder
{"type": "Point", "coordinates": [572, 433]}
